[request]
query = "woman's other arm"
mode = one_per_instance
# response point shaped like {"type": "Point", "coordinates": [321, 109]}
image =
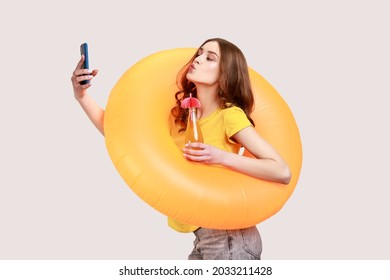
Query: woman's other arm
{"type": "Point", "coordinates": [267, 165]}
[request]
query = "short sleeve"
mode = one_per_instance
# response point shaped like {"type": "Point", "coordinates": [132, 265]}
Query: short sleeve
{"type": "Point", "coordinates": [235, 120]}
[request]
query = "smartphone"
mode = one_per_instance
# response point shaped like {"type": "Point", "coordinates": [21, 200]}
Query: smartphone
{"type": "Point", "coordinates": [84, 51]}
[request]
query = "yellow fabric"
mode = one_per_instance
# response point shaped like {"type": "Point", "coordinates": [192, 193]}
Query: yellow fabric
{"type": "Point", "coordinates": [218, 129]}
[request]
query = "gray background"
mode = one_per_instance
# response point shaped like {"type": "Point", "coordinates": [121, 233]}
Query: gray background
{"type": "Point", "coordinates": [61, 197]}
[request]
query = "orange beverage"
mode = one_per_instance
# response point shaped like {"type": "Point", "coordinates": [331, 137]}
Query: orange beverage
{"type": "Point", "coordinates": [193, 131]}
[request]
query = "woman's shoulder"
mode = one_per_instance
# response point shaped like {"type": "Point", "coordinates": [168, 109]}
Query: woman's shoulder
{"type": "Point", "coordinates": [233, 115]}
{"type": "Point", "coordinates": [232, 110]}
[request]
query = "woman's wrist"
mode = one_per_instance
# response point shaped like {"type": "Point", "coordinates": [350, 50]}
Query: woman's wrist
{"type": "Point", "coordinates": [80, 97]}
{"type": "Point", "coordinates": [227, 158]}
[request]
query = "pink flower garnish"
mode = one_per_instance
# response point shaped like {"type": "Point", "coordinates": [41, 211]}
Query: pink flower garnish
{"type": "Point", "coordinates": [190, 102]}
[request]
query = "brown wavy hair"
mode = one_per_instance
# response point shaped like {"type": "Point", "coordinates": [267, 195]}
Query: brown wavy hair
{"type": "Point", "coordinates": [234, 83]}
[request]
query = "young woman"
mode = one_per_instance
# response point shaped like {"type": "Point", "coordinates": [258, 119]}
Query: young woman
{"type": "Point", "coordinates": [218, 76]}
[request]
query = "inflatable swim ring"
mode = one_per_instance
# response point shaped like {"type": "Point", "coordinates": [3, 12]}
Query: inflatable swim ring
{"type": "Point", "coordinates": [139, 144]}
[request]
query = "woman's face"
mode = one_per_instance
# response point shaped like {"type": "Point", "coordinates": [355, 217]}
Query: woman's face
{"type": "Point", "coordinates": [205, 67]}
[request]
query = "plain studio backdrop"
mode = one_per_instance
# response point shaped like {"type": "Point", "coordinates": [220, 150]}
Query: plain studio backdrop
{"type": "Point", "coordinates": [62, 198]}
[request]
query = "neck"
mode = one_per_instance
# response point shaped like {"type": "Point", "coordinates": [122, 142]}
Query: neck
{"type": "Point", "coordinates": [208, 99]}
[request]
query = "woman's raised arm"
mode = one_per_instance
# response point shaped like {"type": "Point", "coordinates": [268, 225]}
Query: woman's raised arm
{"type": "Point", "coordinates": [94, 112]}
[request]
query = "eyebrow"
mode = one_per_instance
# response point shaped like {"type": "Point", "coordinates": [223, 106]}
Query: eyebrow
{"type": "Point", "coordinates": [210, 52]}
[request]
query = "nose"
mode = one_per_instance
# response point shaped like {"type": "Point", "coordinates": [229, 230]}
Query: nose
{"type": "Point", "coordinates": [198, 59]}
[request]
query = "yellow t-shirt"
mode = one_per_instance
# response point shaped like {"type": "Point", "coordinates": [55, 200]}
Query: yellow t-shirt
{"type": "Point", "coordinates": [217, 130]}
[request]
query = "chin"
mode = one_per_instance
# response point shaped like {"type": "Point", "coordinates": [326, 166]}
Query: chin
{"type": "Point", "coordinates": [188, 76]}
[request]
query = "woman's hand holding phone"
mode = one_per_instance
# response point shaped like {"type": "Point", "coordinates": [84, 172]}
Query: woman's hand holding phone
{"type": "Point", "coordinates": [82, 75]}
